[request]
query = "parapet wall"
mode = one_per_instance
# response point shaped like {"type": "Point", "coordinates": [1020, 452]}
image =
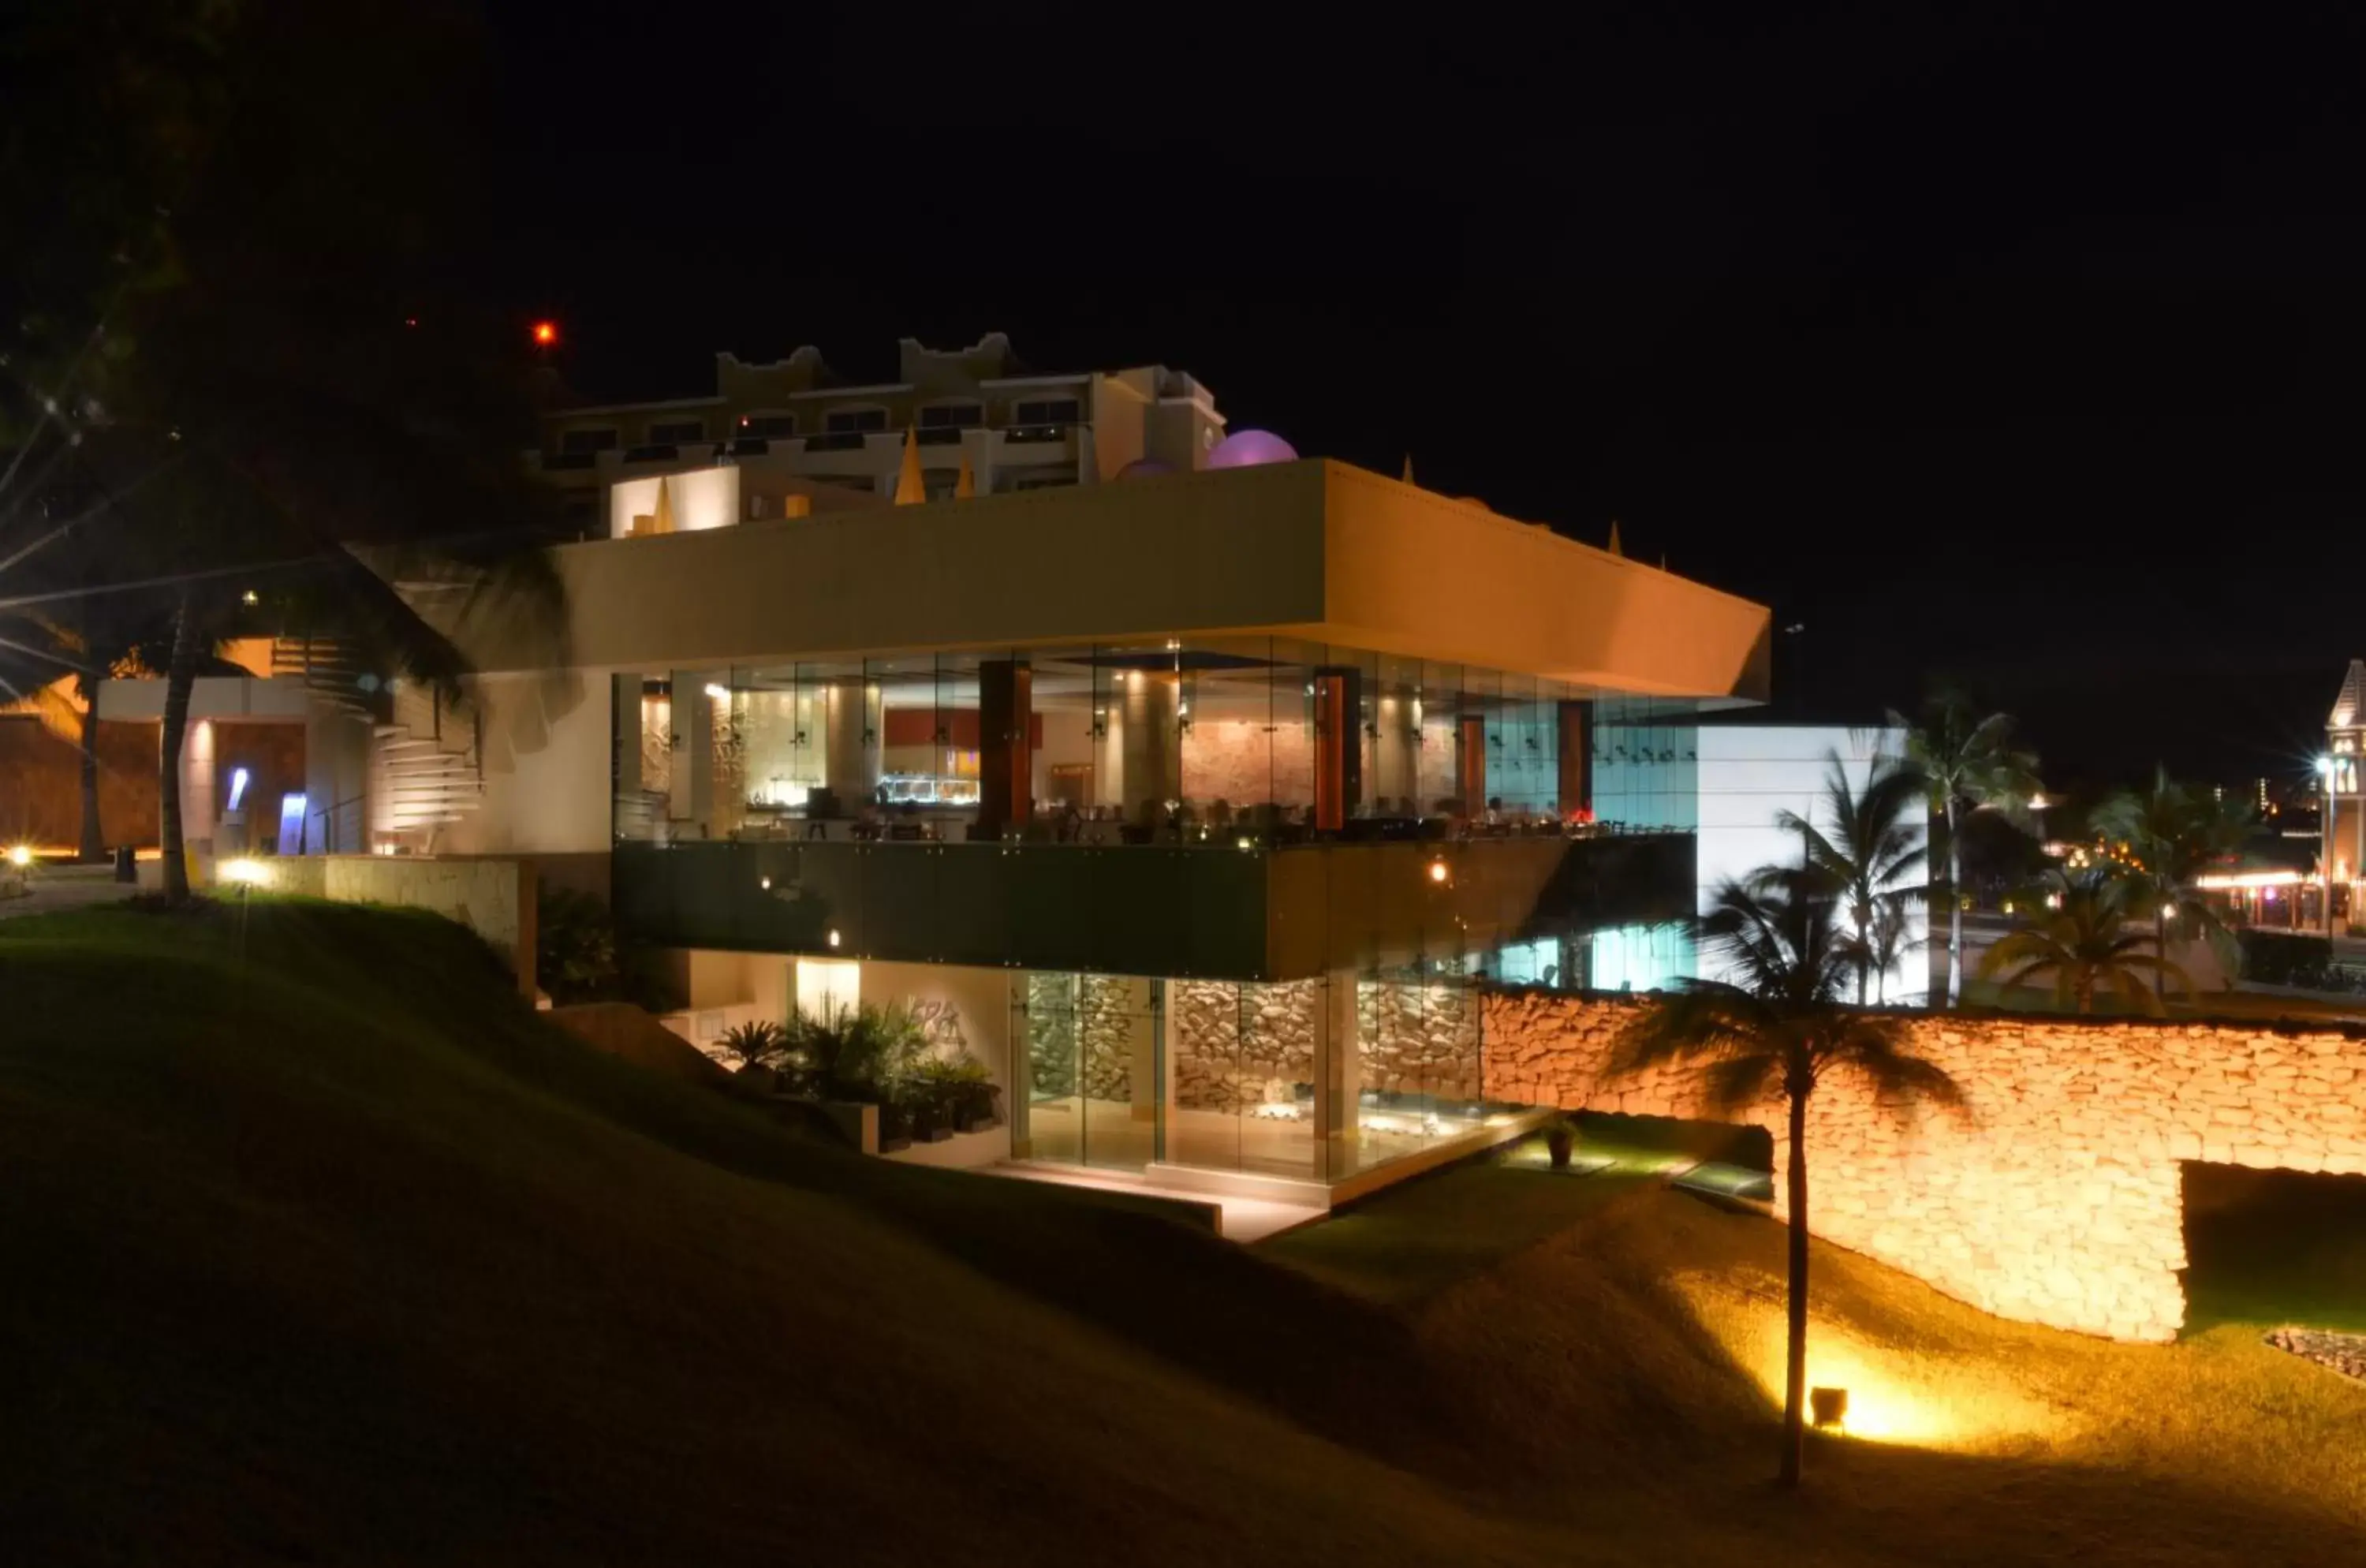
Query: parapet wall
{"type": "Point", "coordinates": [2056, 1197]}
{"type": "Point", "coordinates": [493, 897]}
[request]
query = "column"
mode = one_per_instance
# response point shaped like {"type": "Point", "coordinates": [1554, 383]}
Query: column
{"type": "Point", "coordinates": [198, 806]}
{"type": "Point", "coordinates": [852, 743]}
{"type": "Point", "coordinates": [1396, 755]}
{"type": "Point", "coordinates": [1150, 702]}
{"type": "Point", "coordinates": [1470, 764]}
{"type": "Point", "coordinates": [1338, 746]}
{"type": "Point", "coordinates": [1005, 748]}
{"type": "Point", "coordinates": [1575, 790]}
{"type": "Point", "coordinates": [625, 804]}
{"type": "Point", "coordinates": [691, 800]}
{"type": "Point", "coordinates": [1339, 1078]}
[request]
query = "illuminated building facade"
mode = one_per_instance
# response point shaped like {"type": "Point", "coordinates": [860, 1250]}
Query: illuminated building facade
{"type": "Point", "coordinates": [1192, 794]}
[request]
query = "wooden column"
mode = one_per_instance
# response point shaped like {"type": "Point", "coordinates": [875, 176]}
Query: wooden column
{"type": "Point", "coordinates": [1006, 761]}
{"type": "Point", "coordinates": [1338, 749]}
{"type": "Point", "coordinates": [1576, 787]}
{"type": "Point", "coordinates": [1470, 764]}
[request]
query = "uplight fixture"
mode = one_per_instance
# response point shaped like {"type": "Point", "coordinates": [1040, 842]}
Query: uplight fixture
{"type": "Point", "coordinates": [20, 855]}
{"type": "Point", "coordinates": [1438, 871]}
{"type": "Point", "coordinates": [246, 871]}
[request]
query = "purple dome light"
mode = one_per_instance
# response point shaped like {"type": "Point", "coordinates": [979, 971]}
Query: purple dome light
{"type": "Point", "coordinates": [1247, 449]}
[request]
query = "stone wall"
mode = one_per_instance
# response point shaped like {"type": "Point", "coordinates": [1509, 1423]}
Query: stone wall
{"type": "Point", "coordinates": [1102, 1014]}
{"type": "Point", "coordinates": [1417, 1038]}
{"type": "Point", "coordinates": [2055, 1198]}
{"type": "Point", "coordinates": [495, 898]}
{"type": "Point", "coordinates": [1233, 1045]}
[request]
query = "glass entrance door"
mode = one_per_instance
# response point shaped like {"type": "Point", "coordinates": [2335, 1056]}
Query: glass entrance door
{"type": "Point", "coordinates": [1088, 1088]}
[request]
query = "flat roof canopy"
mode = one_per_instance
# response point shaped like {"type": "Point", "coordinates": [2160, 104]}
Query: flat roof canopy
{"type": "Point", "coordinates": [1314, 550]}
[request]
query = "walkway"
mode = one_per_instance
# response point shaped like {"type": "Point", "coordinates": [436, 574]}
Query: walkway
{"type": "Point", "coordinates": [1243, 1220]}
{"type": "Point", "coordinates": [53, 888]}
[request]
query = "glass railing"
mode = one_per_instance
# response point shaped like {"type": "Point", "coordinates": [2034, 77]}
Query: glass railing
{"type": "Point", "coordinates": [1258, 912]}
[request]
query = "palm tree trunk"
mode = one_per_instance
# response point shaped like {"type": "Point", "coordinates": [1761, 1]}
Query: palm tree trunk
{"type": "Point", "coordinates": [1794, 1364]}
{"type": "Point", "coordinates": [1954, 911]}
{"type": "Point", "coordinates": [180, 680]}
{"type": "Point", "coordinates": [2160, 950]}
{"type": "Point", "coordinates": [1864, 961]}
{"type": "Point", "coordinates": [94, 836]}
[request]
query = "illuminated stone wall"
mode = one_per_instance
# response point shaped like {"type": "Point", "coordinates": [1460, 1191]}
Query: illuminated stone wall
{"type": "Point", "coordinates": [2057, 1198]}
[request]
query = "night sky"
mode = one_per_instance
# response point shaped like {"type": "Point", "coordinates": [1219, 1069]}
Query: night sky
{"type": "Point", "coordinates": [1994, 349]}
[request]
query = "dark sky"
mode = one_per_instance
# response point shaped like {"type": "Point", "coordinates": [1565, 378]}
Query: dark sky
{"type": "Point", "coordinates": [1995, 349]}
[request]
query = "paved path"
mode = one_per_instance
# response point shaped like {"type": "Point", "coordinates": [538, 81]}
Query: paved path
{"type": "Point", "coordinates": [52, 888]}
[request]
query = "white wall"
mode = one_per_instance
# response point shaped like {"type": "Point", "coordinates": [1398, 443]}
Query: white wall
{"type": "Point", "coordinates": [702, 499]}
{"type": "Point", "coordinates": [1749, 773]}
{"type": "Point", "coordinates": [545, 768]}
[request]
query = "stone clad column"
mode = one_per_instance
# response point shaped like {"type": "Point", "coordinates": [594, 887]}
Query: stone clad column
{"type": "Point", "coordinates": [1150, 704]}
{"type": "Point", "coordinates": [852, 743]}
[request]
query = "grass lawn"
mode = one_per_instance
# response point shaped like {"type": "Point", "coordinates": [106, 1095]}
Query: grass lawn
{"type": "Point", "coordinates": [2267, 1247]}
{"type": "Point", "coordinates": [337, 1254]}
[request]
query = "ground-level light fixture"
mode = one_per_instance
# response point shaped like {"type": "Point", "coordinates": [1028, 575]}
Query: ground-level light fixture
{"type": "Point", "coordinates": [1829, 1408]}
{"type": "Point", "coordinates": [1439, 870]}
{"type": "Point", "coordinates": [20, 855]}
{"type": "Point", "coordinates": [246, 871]}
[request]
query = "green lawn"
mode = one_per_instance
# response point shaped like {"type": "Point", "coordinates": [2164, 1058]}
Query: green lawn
{"type": "Point", "coordinates": [337, 1254]}
{"type": "Point", "coordinates": [2270, 1247]}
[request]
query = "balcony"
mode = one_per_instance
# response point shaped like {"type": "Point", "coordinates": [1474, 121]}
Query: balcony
{"type": "Point", "coordinates": [1202, 911]}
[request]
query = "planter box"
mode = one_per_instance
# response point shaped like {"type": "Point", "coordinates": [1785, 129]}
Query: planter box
{"type": "Point", "coordinates": [856, 1121]}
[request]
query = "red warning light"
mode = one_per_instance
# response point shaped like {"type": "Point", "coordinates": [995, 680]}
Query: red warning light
{"type": "Point", "coordinates": [546, 334]}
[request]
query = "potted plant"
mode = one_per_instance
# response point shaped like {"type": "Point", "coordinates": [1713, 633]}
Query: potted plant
{"type": "Point", "coordinates": [757, 1048]}
{"type": "Point", "coordinates": [1560, 1136]}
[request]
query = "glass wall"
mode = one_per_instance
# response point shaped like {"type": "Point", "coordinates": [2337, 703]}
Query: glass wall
{"type": "Point", "coordinates": [1646, 764]}
{"type": "Point", "coordinates": [1169, 740]}
{"type": "Point", "coordinates": [1087, 1084]}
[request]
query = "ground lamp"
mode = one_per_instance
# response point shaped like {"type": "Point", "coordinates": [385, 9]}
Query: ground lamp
{"type": "Point", "coordinates": [1829, 1408]}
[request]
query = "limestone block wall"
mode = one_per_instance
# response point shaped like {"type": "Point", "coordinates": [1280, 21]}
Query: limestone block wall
{"type": "Point", "coordinates": [2057, 1197]}
{"type": "Point", "coordinates": [493, 897]}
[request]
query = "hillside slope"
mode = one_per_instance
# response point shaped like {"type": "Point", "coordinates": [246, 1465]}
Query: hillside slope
{"type": "Point", "coordinates": [336, 1255]}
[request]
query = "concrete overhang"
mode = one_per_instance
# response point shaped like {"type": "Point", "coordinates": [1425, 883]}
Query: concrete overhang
{"type": "Point", "coordinates": [1314, 550]}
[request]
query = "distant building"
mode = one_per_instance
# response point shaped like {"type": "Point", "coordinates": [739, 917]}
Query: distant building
{"type": "Point", "coordinates": [771, 432]}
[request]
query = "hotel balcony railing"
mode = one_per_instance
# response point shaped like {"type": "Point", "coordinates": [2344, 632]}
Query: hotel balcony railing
{"type": "Point", "coordinates": [1259, 913]}
{"type": "Point", "coordinates": [1014, 436]}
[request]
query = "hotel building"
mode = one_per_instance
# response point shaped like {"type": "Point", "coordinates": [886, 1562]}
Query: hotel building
{"type": "Point", "coordinates": [1192, 785]}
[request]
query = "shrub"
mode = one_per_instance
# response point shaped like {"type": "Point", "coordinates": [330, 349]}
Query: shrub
{"type": "Point", "coordinates": [756, 1044]}
{"type": "Point", "coordinates": [574, 947]}
{"type": "Point", "coordinates": [856, 1052]}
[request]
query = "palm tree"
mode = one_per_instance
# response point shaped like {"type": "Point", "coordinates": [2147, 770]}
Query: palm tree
{"type": "Point", "coordinates": [2173, 834]}
{"type": "Point", "coordinates": [253, 383]}
{"type": "Point", "coordinates": [2078, 935]}
{"type": "Point", "coordinates": [1872, 855]}
{"type": "Point", "coordinates": [1781, 1029]}
{"type": "Point", "coordinates": [1969, 765]}
{"type": "Point", "coordinates": [1888, 945]}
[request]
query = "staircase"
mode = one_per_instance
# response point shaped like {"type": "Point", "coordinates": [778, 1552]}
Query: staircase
{"type": "Point", "coordinates": [424, 766]}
